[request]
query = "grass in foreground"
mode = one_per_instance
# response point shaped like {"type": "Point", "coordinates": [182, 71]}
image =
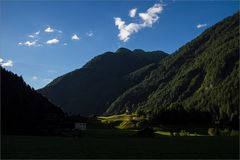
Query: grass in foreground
{"type": "Point", "coordinates": [119, 147]}
{"type": "Point", "coordinates": [103, 140]}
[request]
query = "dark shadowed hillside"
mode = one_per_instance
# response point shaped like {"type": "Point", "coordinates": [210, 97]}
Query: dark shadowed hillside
{"type": "Point", "coordinates": [92, 88]}
{"type": "Point", "coordinates": [23, 110]}
{"type": "Point", "coordinates": [198, 83]}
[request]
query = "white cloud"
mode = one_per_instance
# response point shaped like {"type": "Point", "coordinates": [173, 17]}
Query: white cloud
{"type": "Point", "coordinates": [34, 34]}
{"type": "Point", "coordinates": [132, 12]}
{"type": "Point", "coordinates": [52, 41]}
{"type": "Point", "coordinates": [34, 77]}
{"type": "Point", "coordinates": [30, 43]}
{"type": "Point", "coordinates": [75, 37]}
{"type": "Point", "coordinates": [35, 37]}
{"type": "Point", "coordinates": [151, 16]}
{"type": "Point", "coordinates": [89, 34]}
{"type": "Point", "coordinates": [201, 25]}
{"type": "Point", "coordinates": [7, 63]}
{"type": "Point", "coordinates": [49, 29]}
{"type": "Point", "coordinates": [148, 18]}
{"type": "Point", "coordinates": [126, 30]}
{"type": "Point", "coordinates": [37, 33]}
{"type": "Point", "coordinates": [31, 36]}
{"type": "Point", "coordinates": [65, 44]}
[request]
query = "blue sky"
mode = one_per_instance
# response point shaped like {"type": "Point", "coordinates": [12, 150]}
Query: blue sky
{"type": "Point", "coordinates": [42, 40]}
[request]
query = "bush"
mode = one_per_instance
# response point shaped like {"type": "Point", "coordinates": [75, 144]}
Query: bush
{"type": "Point", "coordinates": [141, 124]}
{"type": "Point", "coordinates": [225, 132]}
{"type": "Point", "coordinates": [140, 112]}
{"type": "Point", "coordinates": [213, 132]}
{"type": "Point", "coordinates": [184, 133]}
{"type": "Point", "coordinates": [234, 133]}
{"type": "Point", "coordinates": [146, 132]}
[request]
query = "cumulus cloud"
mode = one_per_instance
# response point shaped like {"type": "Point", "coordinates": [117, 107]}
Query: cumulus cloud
{"type": "Point", "coordinates": [151, 16]}
{"type": "Point", "coordinates": [7, 63]}
{"type": "Point", "coordinates": [49, 29]}
{"type": "Point", "coordinates": [53, 41]}
{"type": "Point", "coordinates": [147, 18]}
{"type": "Point", "coordinates": [30, 43]}
{"type": "Point", "coordinates": [37, 33]}
{"type": "Point", "coordinates": [132, 12]}
{"type": "Point", "coordinates": [89, 34]}
{"type": "Point", "coordinates": [75, 37]}
{"type": "Point", "coordinates": [34, 77]}
{"type": "Point", "coordinates": [126, 30]}
{"type": "Point", "coordinates": [34, 34]}
{"type": "Point", "coordinates": [31, 36]}
{"type": "Point", "coordinates": [65, 44]}
{"type": "Point", "coordinates": [201, 25]}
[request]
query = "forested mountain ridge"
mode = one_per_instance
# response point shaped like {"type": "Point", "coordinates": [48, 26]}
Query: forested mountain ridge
{"type": "Point", "coordinates": [92, 88]}
{"type": "Point", "coordinates": [197, 83]}
{"type": "Point", "coordinates": [200, 77]}
{"type": "Point", "coordinates": [23, 110]}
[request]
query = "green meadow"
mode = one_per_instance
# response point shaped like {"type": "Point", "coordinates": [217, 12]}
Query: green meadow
{"type": "Point", "coordinates": [130, 122]}
{"type": "Point", "coordinates": [108, 137]}
{"type": "Point", "coordinates": [114, 144]}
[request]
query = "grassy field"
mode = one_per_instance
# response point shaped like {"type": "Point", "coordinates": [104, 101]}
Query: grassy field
{"type": "Point", "coordinates": [106, 138]}
{"type": "Point", "coordinates": [118, 144]}
{"type": "Point", "coordinates": [119, 118]}
{"type": "Point", "coordinates": [126, 121]}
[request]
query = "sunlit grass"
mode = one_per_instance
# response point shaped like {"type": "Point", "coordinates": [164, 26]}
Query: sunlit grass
{"type": "Point", "coordinates": [166, 133]}
{"type": "Point", "coordinates": [163, 133]}
{"type": "Point", "coordinates": [126, 125]}
{"type": "Point", "coordinates": [129, 121]}
{"type": "Point", "coordinates": [119, 118]}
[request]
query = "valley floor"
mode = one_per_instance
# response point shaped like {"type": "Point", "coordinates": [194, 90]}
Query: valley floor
{"type": "Point", "coordinates": [119, 145]}
{"type": "Point", "coordinates": [107, 137]}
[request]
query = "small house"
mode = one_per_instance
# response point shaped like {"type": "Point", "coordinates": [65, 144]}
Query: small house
{"type": "Point", "coordinates": [80, 123]}
{"type": "Point", "coordinates": [80, 126]}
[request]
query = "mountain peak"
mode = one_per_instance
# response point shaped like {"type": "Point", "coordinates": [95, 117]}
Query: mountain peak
{"type": "Point", "coordinates": [123, 50]}
{"type": "Point", "coordinates": [91, 89]}
{"type": "Point", "coordinates": [138, 51]}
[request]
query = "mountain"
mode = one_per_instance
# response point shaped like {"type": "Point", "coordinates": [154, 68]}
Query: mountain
{"type": "Point", "coordinates": [92, 88]}
{"type": "Point", "coordinates": [23, 110]}
{"type": "Point", "coordinates": [197, 83]}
